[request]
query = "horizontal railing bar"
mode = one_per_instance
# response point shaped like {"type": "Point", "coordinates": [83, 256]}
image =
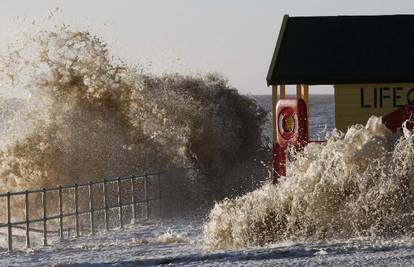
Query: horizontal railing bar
{"type": "Point", "coordinates": [82, 185]}
{"type": "Point", "coordinates": [65, 215]}
{"type": "Point", "coordinates": [41, 230]}
{"type": "Point", "coordinates": [48, 231]}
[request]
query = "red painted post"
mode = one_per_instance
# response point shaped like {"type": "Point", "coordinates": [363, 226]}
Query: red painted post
{"type": "Point", "coordinates": [279, 162]}
{"type": "Point", "coordinates": [291, 129]}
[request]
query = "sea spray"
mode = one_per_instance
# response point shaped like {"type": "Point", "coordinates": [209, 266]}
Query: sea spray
{"type": "Point", "coordinates": [90, 116]}
{"type": "Point", "coordinates": [360, 183]}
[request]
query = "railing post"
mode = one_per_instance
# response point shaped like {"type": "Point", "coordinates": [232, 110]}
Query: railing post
{"type": "Point", "coordinates": [26, 214]}
{"type": "Point", "coordinates": [134, 210]}
{"type": "Point", "coordinates": [60, 212]}
{"type": "Point", "coordinates": [44, 217]}
{"type": "Point", "coordinates": [121, 224]}
{"type": "Point", "coordinates": [146, 196]}
{"type": "Point", "coordinates": [105, 196]}
{"type": "Point", "coordinates": [76, 211]}
{"type": "Point", "coordinates": [159, 195]}
{"type": "Point", "coordinates": [9, 226]}
{"type": "Point", "coordinates": [91, 207]}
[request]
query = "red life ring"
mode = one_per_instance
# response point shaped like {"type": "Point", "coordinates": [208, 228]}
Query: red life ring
{"type": "Point", "coordinates": [288, 123]}
{"type": "Point", "coordinates": [291, 122]}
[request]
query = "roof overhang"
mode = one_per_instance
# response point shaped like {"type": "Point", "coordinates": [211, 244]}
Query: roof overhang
{"type": "Point", "coordinates": [344, 50]}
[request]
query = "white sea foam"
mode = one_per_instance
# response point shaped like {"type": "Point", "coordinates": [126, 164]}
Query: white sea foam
{"type": "Point", "coordinates": [360, 183]}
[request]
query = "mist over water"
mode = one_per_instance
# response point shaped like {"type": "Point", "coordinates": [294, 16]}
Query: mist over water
{"type": "Point", "coordinates": [359, 184]}
{"type": "Point", "coordinates": [90, 116]}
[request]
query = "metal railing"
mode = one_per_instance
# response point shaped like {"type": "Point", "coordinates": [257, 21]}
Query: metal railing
{"type": "Point", "coordinates": [102, 197]}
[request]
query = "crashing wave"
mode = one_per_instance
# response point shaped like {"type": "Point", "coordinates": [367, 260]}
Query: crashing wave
{"type": "Point", "coordinates": [90, 116]}
{"type": "Point", "coordinates": [360, 183]}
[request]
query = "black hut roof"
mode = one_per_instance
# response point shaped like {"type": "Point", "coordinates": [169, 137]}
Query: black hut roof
{"type": "Point", "coordinates": [344, 49]}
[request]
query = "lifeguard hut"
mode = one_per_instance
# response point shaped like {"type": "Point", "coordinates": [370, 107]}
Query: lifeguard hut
{"type": "Point", "coordinates": [368, 59]}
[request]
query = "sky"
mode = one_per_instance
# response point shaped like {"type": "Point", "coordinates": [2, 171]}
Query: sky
{"type": "Point", "coordinates": [235, 38]}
